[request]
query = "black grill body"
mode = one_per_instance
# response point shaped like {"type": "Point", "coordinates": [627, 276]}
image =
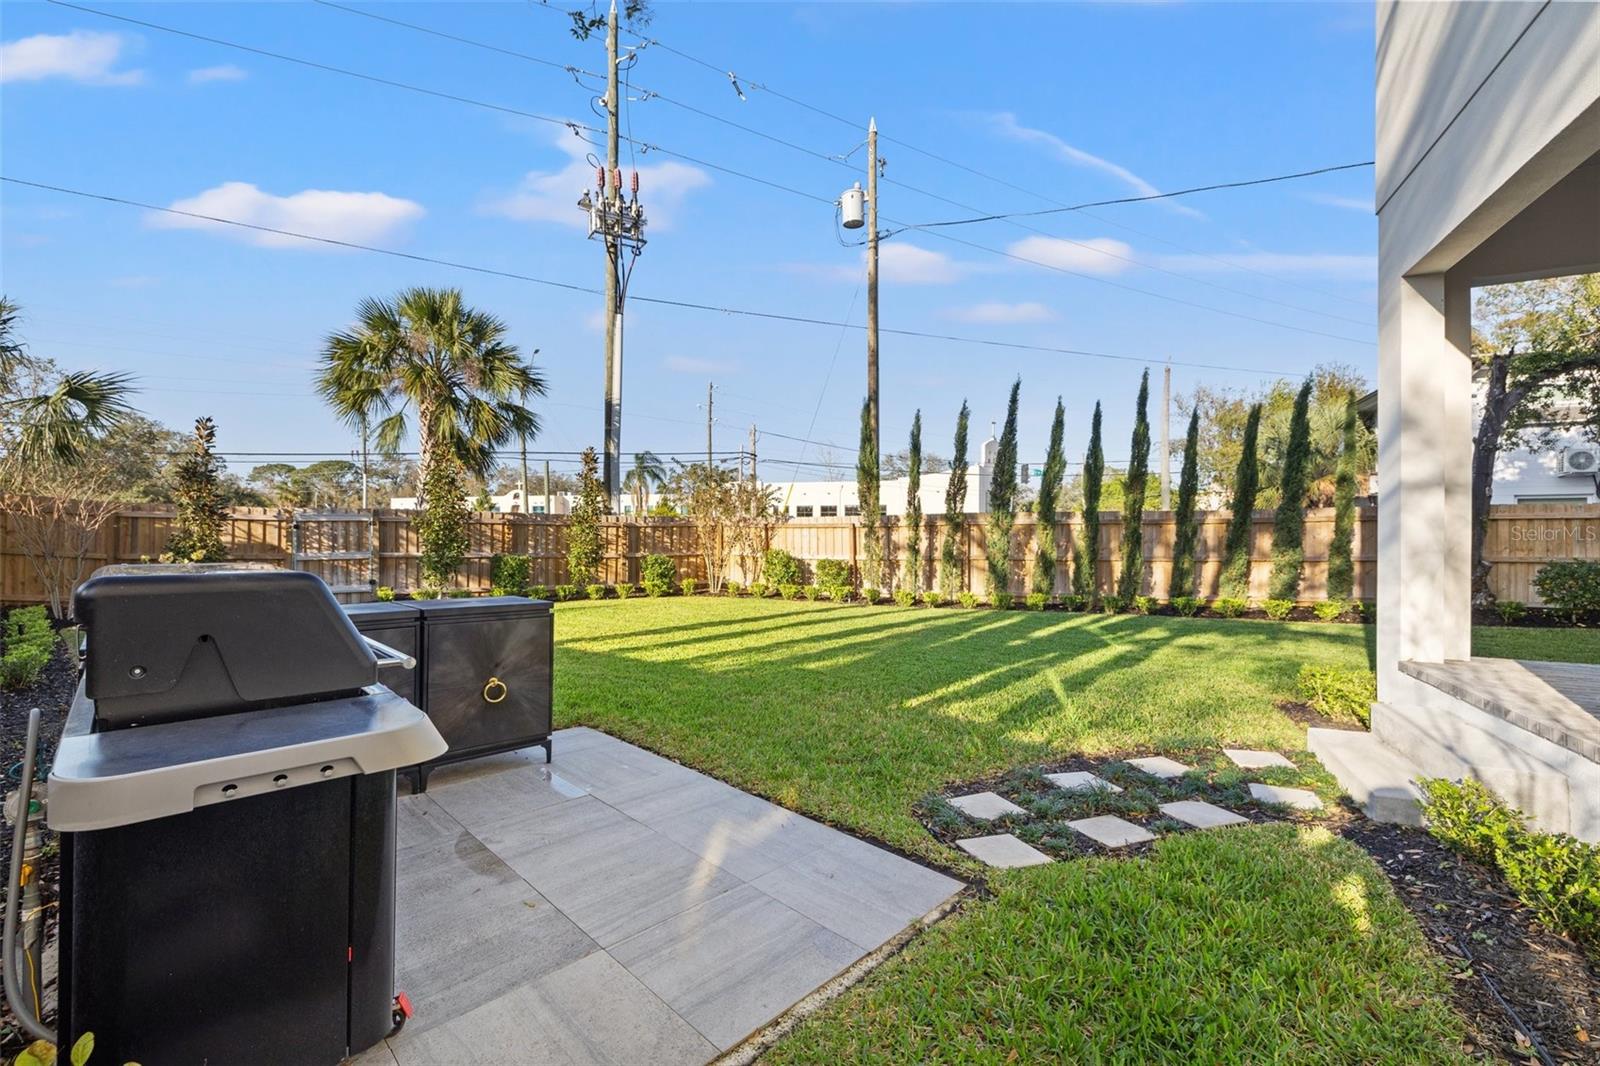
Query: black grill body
{"type": "Point", "coordinates": [227, 891]}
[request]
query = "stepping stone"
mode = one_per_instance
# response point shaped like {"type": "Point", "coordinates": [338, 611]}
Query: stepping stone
{"type": "Point", "coordinates": [1289, 797]}
{"type": "Point", "coordinates": [1160, 766]}
{"type": "Point", "coordinates": [1081, 781]}
{"type": "Point", "coordinates": [1201, 815]}
{"type": "Point", "coordinates": [1246, 759]}
{"type": "Point", "coordinates": [1002, 850]}
{"type": "Point", "coordinates": [1111, 831]}
{"type": "Point", "coordinates": [985, 806]}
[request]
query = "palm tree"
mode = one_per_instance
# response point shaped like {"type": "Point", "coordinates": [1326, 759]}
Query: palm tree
{"type": "Point", "coordinates": [428, 357]}
{"type": "Point", "coordinates": [50, 415]}
{"type": "Point", "coordinates": [649, 474]}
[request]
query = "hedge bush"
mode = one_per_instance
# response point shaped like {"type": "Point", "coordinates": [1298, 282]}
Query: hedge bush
{"type": "Point", "coordinates": [596, 591]}
{"type": "Point", "coordinates": [932, 598]}
{"type": "Point", "coordinates": [813, 592]}
{"type": "Point", "coordinates": [758, 589]}
{"type": "Point", "coordinates": [1572, 586]}
{"type": "Point", "coordinates": [624, 589]}
{"type": "Point", "coordinates": [870, 595]}
{"type": "Point", "coordinates": [780, 568]}
{"type": "Point", "coordinates": [1278, 610]}
{"type": "Point", "coordinates": [656, 574]}
{"type": "Point", "coordinates": [969, 600]}
{"type": "Point", "coordinates": [1075, 602]}
{"type": "Point", "coordinates": [30, 642]}
{"type": "Point", "coordinates": [731, 588]}
{"type": "Point", "coordinates": [384, 593]}
{"type": "Point", "coordinates": [1144, 604]}
{"type": "Point", "coordinates": [1112, 604]}
{"type": "Point", "coordinates": [1188, 606]}
{"type": "Point", "coordinates": [839, 593]}
{"type": "Point", "coordinates": [1555, 875]}
{"type": "Point", "coordinates": [1229, 606]}
{"type": "Point", "coordinates": [1328, 610]}
{"type": "Point", "coordinates": [511, 572]}
{"type": "Point", "coordinates": [1338, 692]}
{"type": "Point", "coordinates": [1002, 600]}
{"type": "Point", "coordinates": [1511, 610]}
{"type": "Point", "coordinates": [832, 572]}
{"type": "Point", "coordinates": [789, 591]}
{"type": "Point", "coordinates": [426, 594]}
{"type": "Point", "coordinates": [687, 586]}
{"type": "Point", "coordinates": [566, 592]}
{"type": "Point", "coordinates": [905, 597]}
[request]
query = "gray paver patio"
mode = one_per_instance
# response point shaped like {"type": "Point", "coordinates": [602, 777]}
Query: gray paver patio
{"type": "Point", "coordinates": [1111, 831]}
{"type": "Point", "coordinates": [1160, 766]}
{"type": "Point", "coordinates": [618, 907]}
{"type": "Point", "coordinates": [1248, 759]}
{"type": "Point", "coordinates": [1201, 815]}
{"type": "Point", "coordinates": [1081, 781]}
{"type": "Point", "coordinates": [1003, 850]}
{"type": "Point", "coordinates": [1301, 798]}
{"type": "Point", "coordinates": [985, 805]}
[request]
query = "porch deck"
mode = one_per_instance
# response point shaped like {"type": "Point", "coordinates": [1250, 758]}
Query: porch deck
{"type": "Point", "coordinates": [1557, 701]}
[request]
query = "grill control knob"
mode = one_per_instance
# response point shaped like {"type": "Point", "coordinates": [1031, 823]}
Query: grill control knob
{"type": "Point", "coordinates": [280, 780]}
{"type": "Point", "coordinates": [229, 791]}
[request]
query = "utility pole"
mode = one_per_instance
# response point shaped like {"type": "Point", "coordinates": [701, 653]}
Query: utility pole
{"type": "Point", "coordinates": [547, 487]}
{"type": "Point", "coordinates": [872, 284]}
{"type": "Point", "coordinates": [711, 388]}
{"type": "Point", "coordinates": [1166, 436]}
{"type": "Point", "coordinates": [620, 224]}
{"type": "Point", "coordinates": [524, 473]}
{"type": "Point", "coordinates": [364, 503]}
{"type": "Point", "coordinates": [753, 478]}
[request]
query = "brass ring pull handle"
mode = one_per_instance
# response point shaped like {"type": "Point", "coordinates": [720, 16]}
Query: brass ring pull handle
{"type": "Point", "coordinates": [494, 690]}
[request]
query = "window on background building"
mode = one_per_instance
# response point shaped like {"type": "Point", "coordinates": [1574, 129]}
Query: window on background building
{"type": "Point", "coordinates": [802, 510]}
{"type": "Point", "coordinates": [1552, 499]}
{"type": "Point", "coordinates": [851, 509]}
{"type": "Point", "coordinates": [830, 511]}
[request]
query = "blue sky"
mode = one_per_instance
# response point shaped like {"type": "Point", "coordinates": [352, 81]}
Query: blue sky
{"type": "Point", "coordinates": [1074, 102]}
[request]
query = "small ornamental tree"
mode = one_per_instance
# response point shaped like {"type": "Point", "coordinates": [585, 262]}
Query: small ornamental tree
{"type": "Point", "coordinates": [913, 562]}
{"type": "Point", "coordinates": [1055, 468]}
{"type": "Point", "coordinates": [867, 494]}
{"type": "Point", "coordinates": [1085, 563]}
{"type": "Point", "coordinates": [955, 505]}
{"type": "Point", "coordinates": [1235, 580]}
{"type": "Point", "coordinates": [1289, 524]}
{"type": "Point", "coordinates": [1003, 504]}
{"type": "Point", "coordinates": [1183, 570]}
{"type": "Point", "coordinates": [197, 490]}
{"type": "Point", "coordinates": [583, 531]}
{"type": "Point", "coordinates": [1132, 577]}
{"type": "Point", "coordinates": [441, 521]}
{"type": "Point", "coordinates": [1341, 565]}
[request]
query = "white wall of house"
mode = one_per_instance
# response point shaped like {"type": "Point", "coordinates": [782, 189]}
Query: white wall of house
{"type": "Point", "coordinates": [505, 503]}
{"type": "Point", "coordinates": [835, 499]}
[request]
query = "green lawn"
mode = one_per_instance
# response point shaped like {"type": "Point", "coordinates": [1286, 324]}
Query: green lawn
{"type": "Point", "coordinates": [1553, 645]}
{"type": "Point", "coordinates": [1273, 943]}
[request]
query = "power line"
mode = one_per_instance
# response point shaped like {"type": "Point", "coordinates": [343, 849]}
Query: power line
{"type": "Point", "coordinates": [657, 300]}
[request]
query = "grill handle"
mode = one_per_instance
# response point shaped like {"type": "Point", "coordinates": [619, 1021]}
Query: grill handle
{"type": "Point", "coordinates": [388, 656]}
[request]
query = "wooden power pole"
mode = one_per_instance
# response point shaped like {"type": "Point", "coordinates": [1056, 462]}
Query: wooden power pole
{"type": "Point", "coordinates": [872, 285]}
{"type": "Point", "coordinates": [1166, 437]}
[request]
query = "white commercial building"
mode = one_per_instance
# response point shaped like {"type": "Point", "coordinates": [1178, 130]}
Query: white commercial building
{"type": "Point", "coordinates": [837, 499]}
{"type": "Point", "coordinates": [505, 503]}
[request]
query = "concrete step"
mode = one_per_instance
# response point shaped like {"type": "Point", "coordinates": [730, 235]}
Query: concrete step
{"type": "Point", "coordinates": [1382, 783]}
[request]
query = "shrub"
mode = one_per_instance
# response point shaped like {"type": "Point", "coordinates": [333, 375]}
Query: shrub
{"type": "Point", "coordinates": [624, 589]}
{"type": "Point", "coordinates": [511, 572]}
{"type": "Point", "coordinates": [23, 662]}
{"type": "Point", "coordinates": [1035, 601]}
{"type": "Point", "coordinates": [585, 545]}
{"type": "Point", "coordinates": [1572, 586]}
{"type": "Point", "coordinates": [832, 572]}
{"type": "Point", "coordinates": [813, 592]}
{"type": "Point", "coordinates": [1328, 610]}
{"type": "Point", "coordinates": [731, 588]}
{"type": "Point", "coordinates": [566, 592]}
{"type": "Point", "coordinates": [596, 591]}
{"type": "Point", "coordinates": [933, 598]}
{"type": "Point", "coordinates": [1368, 610]}
{"type": "Point", "coordinates": [499, 590]}
{"type": "Point", "coordinates": [1555, 875]}
{"type": "Point", "coordinates": [969, 600]}
{"type": "Point", "coordinates": [425, 593]}
{"type": "Point", "coordinates": [758, 589]}
{"type": "Point", "coordinates": [869, 595]}
{"type": "Point", "coordinates": [839, 593]}
{"type": "Point", "coordinates": [1511, 610]}
{"type": "Point", "coordinates": [1278, 610]}
{"type": "Point", "coordinates": [789, 592]}
{"type": "Point", "coordinates": [1075, 602]}
{"type": "Point", "coordinates": [458, 594]}
{"type": "Point", "coordinates": [538, 592]}
{"type": "Point", "coordinates": [1002, 600]}
{"type": "Point", "coordinates": [656, 574]}
{"type": "Point", "coordinates": [1229, 606]}
{"type": "Point", "coordinates": [780, 568]}
{"type": "Point", "coordinates": [686, 586]}
{"type": "Point", "coordinates": [1112, 604]}
{"type": "Point", "coordinates": [384, 593]}
{"type": "Point", "coordinates": [1188, 606]}
{"type": "Point", "coordinates": [1144, 604]}
{"type": "Point", "coordinates": [905, 597]}
{"type": "Point", "coordinates": [1338, 692]}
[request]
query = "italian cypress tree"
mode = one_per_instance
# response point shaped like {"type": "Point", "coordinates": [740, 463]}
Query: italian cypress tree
{"type": "Point", "coordinates": [867, 493]}
{"type": "Point", "coordinates": [1183, 573]}
{"type": "Point", "coordinates": [913, 578]}
{"type": "Point", "coordinates": [1289, 524]}
{"type": "Point", "coordinates": [1087, 554]}
{"type": "Point", "coordinates": [1133, 503]}
{"type": "Point", "coordinates": [1235, 581]}
{"type": "Point", "coordinates": [1055, 468]}
{"type": "Point", "coordinates": [1003, 505]}
{"type": "Point", "coordinates": [955, 504]}
{"type": "Point", "coordinates": [1341, 567]}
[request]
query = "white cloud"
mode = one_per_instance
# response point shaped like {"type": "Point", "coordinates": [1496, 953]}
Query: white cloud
{"type": "Point", "coordinates": [1314, 264]}
{"type": "Point", "coordinates": [1006, 125]}
{"type": "Point", "coordinates": [344, 216]}
{"type": "Point", "coordinates": [82, 56]}
{"type": "Point", "coordinates": [997, 313]}
{"type": "Point", "coordinates": [906, 264]}
{"type": "Point", "coordinates": [1097, 255]}
{"type": "Point", "coordinates": [552, 196]}
{"type": "Point", "coordinates": [225, 72]}
{"type": "Point", "coordinates": [685, 364]}
{"type": "Point", "coordinates": [1348, 203]}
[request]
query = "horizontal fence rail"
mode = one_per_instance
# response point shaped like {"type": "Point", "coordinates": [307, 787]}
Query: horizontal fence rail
{"type": "Point", "coordinates": [353, 551]}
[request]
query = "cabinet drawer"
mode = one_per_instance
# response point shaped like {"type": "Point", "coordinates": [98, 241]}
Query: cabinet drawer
{"type": "Point", "coordinates": [488, 681]}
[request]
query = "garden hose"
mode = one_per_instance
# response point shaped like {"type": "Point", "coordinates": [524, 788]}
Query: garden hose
{"type": "Point", "coordinates": [15, 995]}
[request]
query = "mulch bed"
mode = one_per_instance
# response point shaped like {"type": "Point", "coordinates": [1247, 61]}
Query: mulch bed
{"type": "Point", "coordinates": [1311, 718]}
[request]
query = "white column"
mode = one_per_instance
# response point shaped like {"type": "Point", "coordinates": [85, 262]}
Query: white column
{"type": "Point", "coordinates": [1424, 475]}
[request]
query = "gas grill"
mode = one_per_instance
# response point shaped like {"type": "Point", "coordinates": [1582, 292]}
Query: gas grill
{"type": "Point", "coordinates": [225, 791]}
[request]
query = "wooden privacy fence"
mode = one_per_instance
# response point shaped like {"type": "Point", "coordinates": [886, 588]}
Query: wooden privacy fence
{"type": "Point", "coordinates": [355, 552]}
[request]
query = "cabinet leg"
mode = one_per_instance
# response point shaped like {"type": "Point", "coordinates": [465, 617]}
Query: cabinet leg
{"type": "Point", "coordinates": [548, 750]}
